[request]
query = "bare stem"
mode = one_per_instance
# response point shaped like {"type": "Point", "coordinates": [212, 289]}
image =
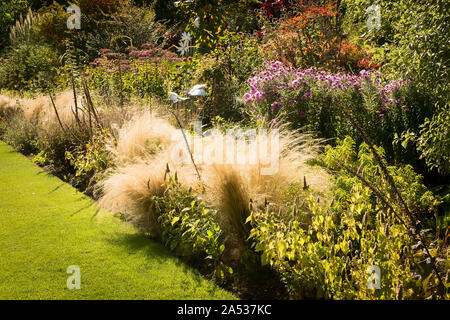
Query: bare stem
{"type": "Point", "coordinates": [391, 182]}
{"type": "Point", "coordinates": [187, 144]}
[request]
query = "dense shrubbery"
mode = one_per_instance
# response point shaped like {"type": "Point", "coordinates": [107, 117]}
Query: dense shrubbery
{"type": "Point", "coordinates": [91, 160]}
{"type": "Point", "coordinates": [432, 141]}
{"type": "Point", "coordinates": [189, 226]}
{"type": "Point", "coordinates": [309, 36]}
{"type": "Point", "coordinates": [129, 26]}
{"type": "Point", "coordinates": [412, 41]}
{"type": "Point", "coordinates": [207, 20]}
{"type": "Point", "coordinates": [225, 70]}
{"type": "Point", "coordinates": [323, 250]}
{"type": "Point", "coordinates": [21, 134]}
{"type": "Point", "coordinates": [140, 73]}
{"type": "Point", "coordinates": [314, 99]}
{"type": "Point", "coordinates": [29, 66]}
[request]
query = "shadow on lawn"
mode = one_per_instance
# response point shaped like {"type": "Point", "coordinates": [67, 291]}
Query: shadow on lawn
{"type": "Point", "coordinates": [154, 251]}
{"type": "Point", "coordinates": [57, 188]}
{"type": "Point", "coordinates": [88, 206]}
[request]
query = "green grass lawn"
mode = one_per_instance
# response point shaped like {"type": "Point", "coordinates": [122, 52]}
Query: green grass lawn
{"type": "Point", "coordinates": [46, 226]}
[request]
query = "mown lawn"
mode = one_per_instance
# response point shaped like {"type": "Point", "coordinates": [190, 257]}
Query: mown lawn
{"type": "Point", "coordinates": [46, 226]}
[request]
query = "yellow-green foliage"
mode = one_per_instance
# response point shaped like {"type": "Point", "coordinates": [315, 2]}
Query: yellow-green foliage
{"type": "Point", "coordinates": [22, 30]}
{"type": "Point", "coordinates": [323, 250]}
{"type": "Point", "coordinates": [92, 159]}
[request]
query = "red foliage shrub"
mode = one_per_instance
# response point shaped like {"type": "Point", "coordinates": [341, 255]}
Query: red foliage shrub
{"type": "Point", "coordinates": [96, 8]}
{"type": "Point", "coordinates": [309, 37]}
{"type": "Point", "coordinates": [147, 54]}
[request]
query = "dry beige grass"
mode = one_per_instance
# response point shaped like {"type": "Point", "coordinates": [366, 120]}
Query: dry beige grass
{"type": "Point", "coordinates": [142, 137]}
{"type": "Point", "coordinates": [40, 110]}
{"type": "Point", "coordinates": [129, 188]}
{"type": "Point", "coordinates": [145, 145]}
{"type": "Point", "coordinates": [232, 187]}
{"type": "Point", "coordinates": [65, 105]}
{"type": "Point", "coordinates": [7, 106]}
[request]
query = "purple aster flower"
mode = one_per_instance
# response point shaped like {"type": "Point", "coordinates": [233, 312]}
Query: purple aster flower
{"type": "Point", "coordinates": [274, 122]}
{"type": "Point", "coordinates": [307, 95]}
{"type": "Point", "coordinates": [274, 105]}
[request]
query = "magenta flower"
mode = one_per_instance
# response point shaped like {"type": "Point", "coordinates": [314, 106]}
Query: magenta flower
{"type": "Point", "coordinates": [274, 122]}
{"type": "Point", "coordinates": [275, 105]}
{"type": "Point", "coordinates": [302, 114]}
{"type": "Point", "coordinates": [307, 95]}
{"type": "Point", "coordinates": [276, 79]}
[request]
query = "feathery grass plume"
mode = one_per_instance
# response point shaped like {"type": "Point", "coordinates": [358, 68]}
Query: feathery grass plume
{"type": "Point", "coordinates": [33, 109]}
{"type": "Point", "coordinates": [8, 107]}
{"type": "Point", "coordinates": [230, 187]}
{"type": "Point", "coordinates": [146, 144]}
{"type": "Point", "coordinates": [40, 111]}
{"type": "Point", "coordinates": [129, 188]}
{"type": "Point", "coordinates": [129, 191]}
{"type": "Point", "coordinates": [144, 136]}
{"type": "Point", "coordinates": [21, 31]}
{"type": "Point", "coordinates": [65, 105]}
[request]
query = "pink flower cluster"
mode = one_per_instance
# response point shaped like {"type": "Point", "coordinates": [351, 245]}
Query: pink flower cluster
{"type": "Point", "coordinates": [275, 81]}
{"type": "Point", "coordinates": [112, 61]}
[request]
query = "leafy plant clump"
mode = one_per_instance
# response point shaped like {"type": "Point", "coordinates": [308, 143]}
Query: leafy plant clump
{"type": "Point", "coordinates": [189, 227]}
{"type": "Point", "coordinates": [325, 250]}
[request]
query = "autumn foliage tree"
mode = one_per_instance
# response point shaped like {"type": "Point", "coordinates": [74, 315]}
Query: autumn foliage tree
{"type": "Point", "coordinates": [309, 35]}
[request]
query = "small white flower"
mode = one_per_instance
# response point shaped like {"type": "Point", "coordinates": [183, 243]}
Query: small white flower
{"type": "Point", "coordinates": [198, 90]}
{"type": "Point", "coordinates": [196, 22]}
{"type": "Point", "coordinates": [183, 48]}
{"type": "Point", "coordinates": [176, 3]}
{"type": "Point", "coordinates": [186, 37]}
{"type": "Point", "coordinates": [175, 97]}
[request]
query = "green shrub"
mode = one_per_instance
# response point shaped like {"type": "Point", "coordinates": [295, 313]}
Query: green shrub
{"type": "Point", "coordinates": [211, 21]}
{"type": "Point", "coordinates": [433, 141]}
{"type": "Point", "coordinates": [189, 226]}
{"type": "Point", "coordinates": [21, 134]}
{"type": "Point", "coordinates": [225, 70]}
{"type": "Point", "coordinates": [128, 26]}
{"type": "Point", "coordinates": [130, 80]}
{"type": "Point", "coordinates": [51, 28]}
{"type": "Point", "coordinates": [323, 250]}
{"type": "Point", "coordinates": [412, 41]}
{"type": "Point", "coordinates": [55, 142]}
{"type": "Point", "coordinates": [91, 160]}
{"type": "Point", "coordinates": [29, 67]}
